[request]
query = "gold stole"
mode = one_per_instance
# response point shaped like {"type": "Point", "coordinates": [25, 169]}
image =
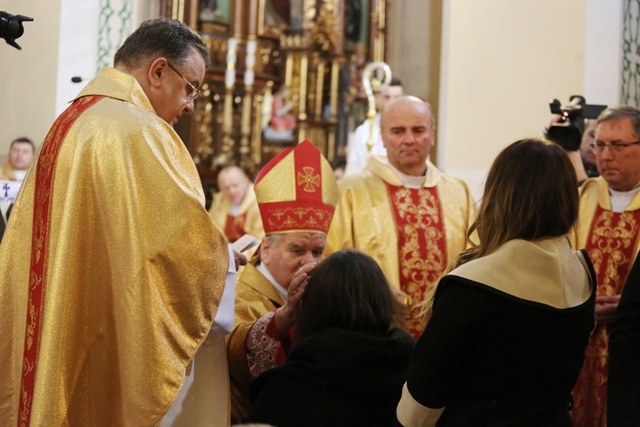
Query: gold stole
{"type": "Point", "coordinates": [422, 249]}
{"type": "Point", "coordinates": [611, 246]}
{"type": "Point", "coordinates": [45, 177]}
{"type": "Point", "coordinates": [234, 227]}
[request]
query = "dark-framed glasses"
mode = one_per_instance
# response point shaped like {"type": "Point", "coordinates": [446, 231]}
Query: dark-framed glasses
{"type": "Point", "coordinates": [194, 91]}
{"type": "Point", "coordinates": [599, 146]}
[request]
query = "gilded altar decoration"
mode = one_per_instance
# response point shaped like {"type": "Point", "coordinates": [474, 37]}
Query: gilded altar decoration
{"type": "Point", "coordinates": [309, 47]}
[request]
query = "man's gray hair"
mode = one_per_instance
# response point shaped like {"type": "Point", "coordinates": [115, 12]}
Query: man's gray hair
{"type": "Point", "coordinates": [272, 239]}
{"type": "Point", "coordinates": [621, 112]}
{"type": "Point", "coordinates": [160, 37]}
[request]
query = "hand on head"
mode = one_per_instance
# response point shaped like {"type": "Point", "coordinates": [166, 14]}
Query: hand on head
{"type": "Point", "coordinates": [301, 277]}
{"type": "Point", "coordinates": [287, 315]}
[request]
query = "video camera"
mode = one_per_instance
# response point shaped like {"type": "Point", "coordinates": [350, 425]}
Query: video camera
{"type": "Point", "coordinates": [11, 27]}
{"type": "Point", "coordinates": [567, 131]}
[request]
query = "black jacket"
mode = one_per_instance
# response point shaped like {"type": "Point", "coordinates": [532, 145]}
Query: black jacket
{"type": "Point", "coordinates": [335, 378]}
{"type": "Point", "coordinates": [623, 387]}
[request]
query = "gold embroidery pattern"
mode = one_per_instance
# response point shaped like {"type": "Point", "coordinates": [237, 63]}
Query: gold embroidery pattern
{"type": "Point", "coordinates": [262, 349]}
{"type": "Point", "coordinates": [308, 179]}
{"type": "Point", "coordinates": [611, 246]}
{"type": "Point", "coordinates": [26, 409]}
{"type": "Point", "coordinates": [611, 243]}
{"type": "Point", "coordinates": [421, 244]}
{"type": "Point", "coordinates": [299, 217]}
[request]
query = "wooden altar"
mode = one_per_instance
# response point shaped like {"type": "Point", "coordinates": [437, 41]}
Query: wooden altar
{"type": "Point", "coordinates": [314, 48]}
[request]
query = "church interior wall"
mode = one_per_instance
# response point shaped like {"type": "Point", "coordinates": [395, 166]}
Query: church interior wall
{"type": "Point", "coordinates": [490, 68]}
{"type": "Point", "coordinates": [502, 62]}
{"type": "Point", "coordinates": [603, 51]}
{"type": "Point", "coordinates": [416, 64]}
{"type": "Point", "coordinates": [28, 77]}
{"type": "Point", "coordinates": [62, 42]}
{"type": "Point", "coordinates": [77, 50]}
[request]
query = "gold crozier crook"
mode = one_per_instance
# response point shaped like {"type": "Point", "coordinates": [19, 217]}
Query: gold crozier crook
{"type": "Point", "coordinates": [370, 79]}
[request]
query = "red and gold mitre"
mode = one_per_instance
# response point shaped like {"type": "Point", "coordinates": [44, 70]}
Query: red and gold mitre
{"type": "Point", "coordinates": [297, 191]}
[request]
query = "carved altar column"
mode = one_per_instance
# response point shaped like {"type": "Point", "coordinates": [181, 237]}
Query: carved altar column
{"type": "Point", "coordinates": [378, 30]}
{"type": "Point", "coordinates": [249, 77]}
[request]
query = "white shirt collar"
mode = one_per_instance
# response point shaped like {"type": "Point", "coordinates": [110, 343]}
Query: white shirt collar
{"type": "Point", "coordinates": [20, 174]}
{"type": "Point", "coordinates": [409, 181]}
{"type": "Point", "coordinates": [621, 199]}
{"type": "Point", "coordinates": [266, 273]}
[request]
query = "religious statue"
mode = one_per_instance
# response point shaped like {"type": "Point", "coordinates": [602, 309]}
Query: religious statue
{"type": "Point", "coordinates": [282, 121]}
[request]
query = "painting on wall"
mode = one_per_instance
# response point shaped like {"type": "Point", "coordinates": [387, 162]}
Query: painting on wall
{"type": "Point", "coordinates": [274, 15]}
{"type": "Point", "coordinates": [213, 14]}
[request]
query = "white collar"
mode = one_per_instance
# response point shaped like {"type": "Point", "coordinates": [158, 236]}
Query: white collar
{"type": "Point", "coordinates": [621, 199]}
{"type": "Point", "coordinates": [266, 273]}
{"type": "Point", "coordinates": [409, 181]}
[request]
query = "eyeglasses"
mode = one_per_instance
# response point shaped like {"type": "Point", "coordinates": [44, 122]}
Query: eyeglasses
{"type": "Point", "coordinates": [193, 94]}
{"type": "Point", "coordinates": [599, 146]}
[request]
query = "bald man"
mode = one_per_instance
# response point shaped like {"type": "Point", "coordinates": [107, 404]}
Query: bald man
{"type": "Point", "coordinates": [357, 151]}
{"type": "Point", "coordinates": [234, 209]}
{"type": "Point", "coordinates": [405, 213]}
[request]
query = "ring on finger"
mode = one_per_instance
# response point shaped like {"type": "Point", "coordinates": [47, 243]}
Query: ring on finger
{"type": "Point", "coordinates": [292, 292]}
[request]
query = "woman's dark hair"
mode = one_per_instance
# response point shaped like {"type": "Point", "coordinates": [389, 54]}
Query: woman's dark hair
{"type": "Point", "coordinates": [530, 194]}
{"type": "Point", "coordinates": [348, 290]}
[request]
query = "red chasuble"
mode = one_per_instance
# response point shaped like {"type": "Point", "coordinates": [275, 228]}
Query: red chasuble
{"type": "Point", "coordinates": [422, 249]}
{"type": "Point", "coordinates": [611, 246]}
{"type": "Point", "coordinates": [234, 227]}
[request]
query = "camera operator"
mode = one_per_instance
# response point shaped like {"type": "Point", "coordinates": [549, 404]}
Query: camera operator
{"type": "Point", "coordinates": [583, 158]}
{"type": "Point", "coordinates": [573, 127]}
{"type": "Point", "coordinates": [586, 152]}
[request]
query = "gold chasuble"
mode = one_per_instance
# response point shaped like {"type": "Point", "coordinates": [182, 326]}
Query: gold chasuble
{"type": "Point", "coordinates": [612, 241]}
{"type": "Point", "coordinates": [247, 221]}
{"type": "Point", "coordinates": [111, 270]}
{"type": "Point", "coordinates": [411, 233]}
{"type": "Point", "coordinates": [255, 296]}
